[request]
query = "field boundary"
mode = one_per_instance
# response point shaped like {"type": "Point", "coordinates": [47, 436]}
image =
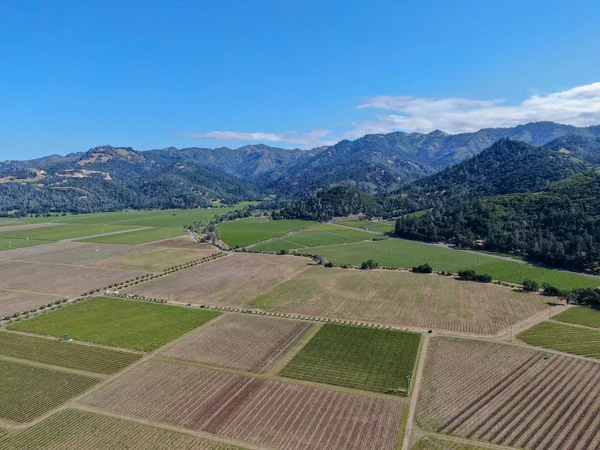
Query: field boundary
{"type": "Point", "coordinates": [414, 392]}
{"type": "Point", "coordinates": [274, 238]}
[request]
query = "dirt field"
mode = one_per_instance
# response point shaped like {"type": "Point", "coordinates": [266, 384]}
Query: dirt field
{"type": "Point", "coordinates": [264, 412]}
{"type": "Point", "coordinates": [234, 280]}
{"type": "Point", "coordinates": [402, 298]}
{"type": "Point", "coordinates": [76, 253]}
{"type": "Point", "coordinates": [57, 280]}
{"type": "Point", "coordinates": [241, 342]}
{"type": "Point", "coordinates": [154, 260]}
{"type": "Point", "coordinates": [18, 302]}
{"type": "Point", "coordinates": [185, 242]}
{"type": "Point", "coordinates": [509, 395]}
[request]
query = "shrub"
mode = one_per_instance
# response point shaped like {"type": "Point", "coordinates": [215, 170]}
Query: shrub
{"type": "Point", "coordinates": [530, 285]}
{"type": "Point", "coordinates": [369, 264]}
{"type": "Point", "coordinates": [483, 278]}
{"type": "Point", "coordinates": [283, 252]}
{"type": "Point", "coordinates": [423, 268]}
{"type": "Point", "coordinates": [467, 274]}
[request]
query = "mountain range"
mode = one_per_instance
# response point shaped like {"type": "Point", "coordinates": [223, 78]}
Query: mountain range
{"type": "Point", "coordinates": [108, 178]}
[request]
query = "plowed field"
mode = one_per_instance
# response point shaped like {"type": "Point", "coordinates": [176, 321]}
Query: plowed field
{"type": "Point", "coordinates": [241, 342]}
{"type": "Point", "coordinates": [402, 298]}
{"type": "Point", "coordinates": [234, 280]}
{"type": "Point", "coordinates": [509, 395]}
{"type": "Point", "coordinates": [264, 412]}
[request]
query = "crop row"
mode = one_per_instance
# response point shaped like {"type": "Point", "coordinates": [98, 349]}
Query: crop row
{"type": "Point", "coordinates": [28, 391]}
{"type": "Point", "coordinates": [84, 430]}
{"type": "Point", "coordinates": [279, 236]}
{"type": "Point", "coordinates": [526, 399]}
{"type": "Point", "coordinates": [65, 354]}
{"type": "Point", "coordinates": [565, 338]}
{"type": "Point", "coordinates": [264, 412]}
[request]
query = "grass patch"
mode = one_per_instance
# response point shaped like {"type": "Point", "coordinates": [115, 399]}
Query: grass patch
{"type": "Point", "coordinates": [58, 233]}
{"type": "Point", "coordinates": [138, 237]}
{"type": "Point", "coordinates": [403, 253]}
{"type": "Point", "coordinates": [565, 338]}
{"type": "Point", "coordinates": [74, 430]}
{"type": "Point", "coordinates": [246, 231]}
{"type": "Point", "coordinates": [277, 245]}
{"type": "Point", "coordinates": [65, 354]}
{"type": "Point", "coordinates": [28, 391]}
{"type": "Point", "coordinates": [318, 238]}
{"type": "Point", "coordinates": [11, 243]}
{"type": "Point", "coordinates": [580, 315]}
{"type": "Point", "coordinates": [121, 323]}
{"type": "Point", "coordinates": [363, 358]}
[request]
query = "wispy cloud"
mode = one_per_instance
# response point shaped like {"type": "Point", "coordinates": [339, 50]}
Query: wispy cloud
{"type": "Point", "coordinates": [311, 139]}
{"type": "Point", "coordinates": [579, 106]}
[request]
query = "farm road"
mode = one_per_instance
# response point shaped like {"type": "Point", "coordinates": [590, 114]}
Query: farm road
{"type": "Point", "coordinates": [415, 394]}
{"type": "Point", "coordinates": [106, 234]}
{"type": "Point", "coordinates": [379, 233]}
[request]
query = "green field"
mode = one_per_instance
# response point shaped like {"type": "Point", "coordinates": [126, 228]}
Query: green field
{"type": "Point", "coordinates": [277, 245]}
{"type": "Point", "coordinates": [8, 243]}
{"type": "Point", "coordinates": [385, 226]}
{"type": "Point", "coordinates": [60, 232]}
{"type": "Point", "coordinates": [28, 391]}
{"type": "Point", "coordinates": [565, 338]}
{"type": "Point", "coordinates": [246, 231]}
{"type": "Point", "coordinates": [363, 358]}
{"type": "Point", "coordinates": [74, 430]}
{"type": "Point", "coordinates": [580, 315]}
{"type": "Point", "coordinates": [138, 237]}
{"type": "Point", "coordinates": [121, 323]}
{"type": "Point", "coordinates": [395, 252]}
{"type": "Point", "coordinates": [65, 354]}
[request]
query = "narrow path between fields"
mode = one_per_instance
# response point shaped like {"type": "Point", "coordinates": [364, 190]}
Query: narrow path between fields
{"type": "Point", "coordinates": [412, 406]}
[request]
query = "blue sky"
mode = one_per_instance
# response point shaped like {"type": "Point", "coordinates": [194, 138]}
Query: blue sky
{"type": "Point", "coordinates": [150, 74]}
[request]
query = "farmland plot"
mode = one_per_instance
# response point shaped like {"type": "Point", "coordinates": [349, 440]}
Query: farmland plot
{"type": "Point", "coordinates": [250, 343]}
{"type": "Point", "coordinates": [402, 298]}
{"type": "Point", "coordinates": [117, 322]}
{"type": "Point", "coordinates": [234, 280]}
{"type": "Point", "coordinates": [439, 443]}
{"type": "Point", "coordinates": [58, 280]}
{"type": "Point", "coordinates": [7, 244]}
{"type": "Point", "coordinates": [565, 338]}
{"type": "Point", "coordinates": [28, 391]}
{"type": "Point", "coordinates": [59, 233]}
{"type": "Point", "coordinates": [277, 245]}
{"type": "Point", "coordinates": [138, 237]}
{"type": "Point", "coordinates": [155, 260]}
{"type": "Point", "coordinates": [509, 395]}
{"type": "Point", "coordinates": [362, 358]}
{"type": "Point", "coordinates": [186, 242]}
{"type": "Point", "coordinates": [75, 430]}
{"type": "Point", "coordinates": [580, 315]}
{"type": "Point", "coordinates": [12, 302]}
{"type": "Point", "coordinates": [242, 232]}
{"type": "Point", "coordinates": [263, 412]}
{"type": "Point", "coordinates": [65, 354]}
{"type": "Point", "coordinates": [68, 252]}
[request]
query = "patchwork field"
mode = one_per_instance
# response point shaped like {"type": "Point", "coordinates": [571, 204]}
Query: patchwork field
{"type": "Point", "coordinates": [362, 358]}
{"type": "Point", "coordinates": [10, 227]}
{"type": "Point", "coordinates": [65, 354]}
{"type": "Point", "coordinates": [263, 412]}
{"type": "Point", "coordinates": [565, 338]}
{"type": "Point", "coordinates": [75, 430]}
{"type": "Point", "coordinates": [402, 298]}
{"type": "Point", "coordinates": [57, 279]}
{"type": "Point", "coordinates": [580, 315]}
{"type": "Point", "coordinates": [403, 253]}
{"type": "Point", "coordinates": [247, 231]}
{"type": "Point", "coordinates": [155, 260]}
{"type": "Point", "coordinates": [58, 233]}
{"type": "Point", "coordinates": [237, 341]}
{"type": "Point", "coordinates": [68, 252]}
{"type": "Point", "coordinates": [138, 237]}
{"type": "Point", "coordinates": [28, 391]}
{"type": "Point", "coordinates": [185, 242]}
{"type": "Point", "coordinates": [510, 395]}
{"type": "Point", "coordinates": [7, 244]}
{"type": "Point", "coordinates": [12, 302]}
{"type": "Point", "coordinates": [385, 226]}
{"type": "Point", "coordinates": [117, 322]}
{"type": "Point", "coordinates": [233, 280]}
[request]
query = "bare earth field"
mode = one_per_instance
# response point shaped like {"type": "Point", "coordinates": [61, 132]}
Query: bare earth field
{"type": "Point", "coordinates": [233, 280]}
{"type": "Point", "coordinates": [55, 279]}
{"type": "Point", "coordinates": [510, 395]}
{"type": "Point", "coordinates": [155, 260]}
{"type": "Point", "coordinates": [242, 342]}
{"type": "Point", "coordinates": [402, 298]}
{"type": "Point", "coordinates": [263, 412]}
{"type": "Point", "coordinates": [68, 252]}
{"type": "Point", "coordinates": [185, 242]}
{"type": "Point", "coordinates": [28, 226]}
{"type": "Point", "coordinates": [17, 302]}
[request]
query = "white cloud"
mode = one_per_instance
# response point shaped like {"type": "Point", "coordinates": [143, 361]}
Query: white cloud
{"type": "Point", "coordinates": [579, 106]}
{"type": "Point", "coordinates": [311, 139]}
